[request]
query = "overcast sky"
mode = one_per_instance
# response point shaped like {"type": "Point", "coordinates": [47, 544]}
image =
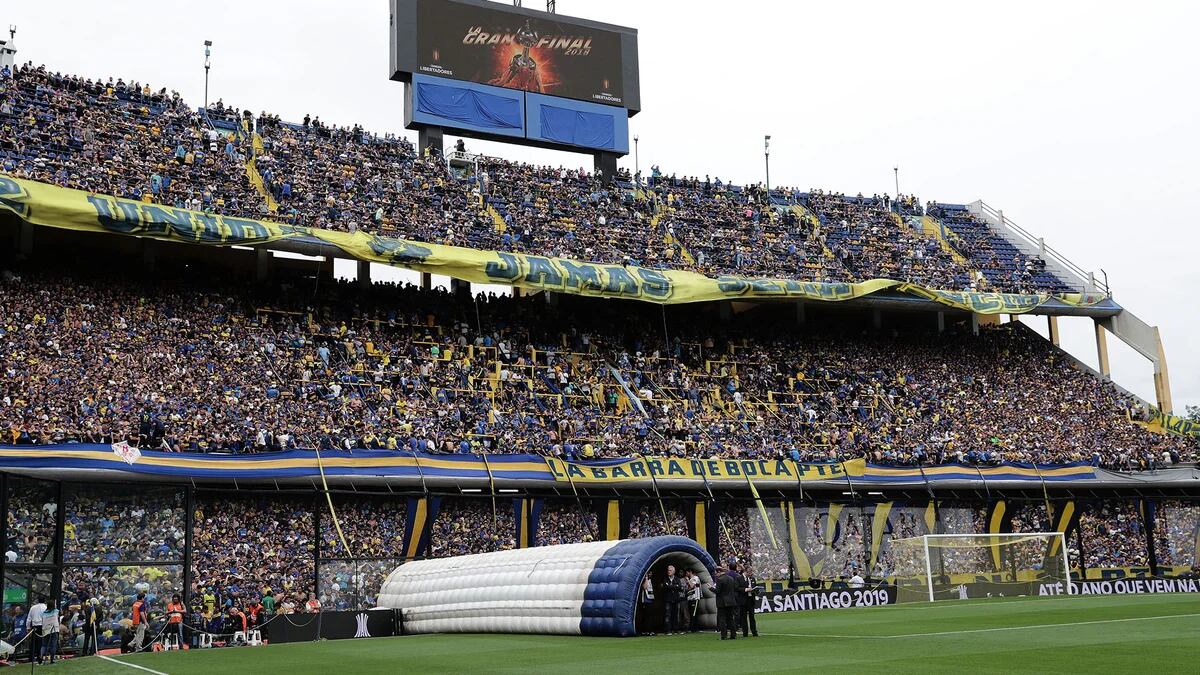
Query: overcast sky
{"type": "Point", "coordinates": [1078, 119]}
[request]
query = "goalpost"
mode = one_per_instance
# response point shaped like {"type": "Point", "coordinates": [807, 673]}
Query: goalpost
{"type": "Point", "coordinates": [1015, 558]}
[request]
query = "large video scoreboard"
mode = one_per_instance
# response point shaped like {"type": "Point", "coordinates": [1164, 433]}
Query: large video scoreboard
{"type": "Point", "coordinates": [515, 74]}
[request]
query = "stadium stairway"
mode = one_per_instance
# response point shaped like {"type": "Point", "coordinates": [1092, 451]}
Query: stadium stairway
{"type": "Point", "coordinates": [933, 228]}
{"type": "Point", "coordinates": [633, 398]}
{"type": "Point", "coordinates": [255, 177]}
{"type": "Point", "coordinates": [497, 219]}
{"type": "Point", "coordinates": [804, 214]}
{"type": "Point", "coordinates": [668, 238]}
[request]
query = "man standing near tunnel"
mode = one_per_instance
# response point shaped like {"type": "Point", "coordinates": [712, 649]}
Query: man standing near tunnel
{"type": "Point", "coordinates": [674, 594]}
{"type": "Point", "coordinates": [729, 589]}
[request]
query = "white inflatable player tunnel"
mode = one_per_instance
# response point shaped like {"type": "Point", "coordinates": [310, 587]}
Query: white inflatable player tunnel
{"type": "Point", "coordinates": [570, 589]}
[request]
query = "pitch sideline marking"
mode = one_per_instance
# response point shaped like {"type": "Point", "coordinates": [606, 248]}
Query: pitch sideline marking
{"type": "Point", "coordinates": [1010, 600]}
{"type": "Point", "coordinates": [130, 665]}
{"type": "Point", "coordinates": [989, 630]}
{"type": "Point", "coordinates": [1003, 601]}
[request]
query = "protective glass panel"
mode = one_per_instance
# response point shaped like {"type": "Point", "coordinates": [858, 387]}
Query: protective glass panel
{"type": "Point", "coordinates": [465, 526]}
{"type": "Point", "coordinates": [353, 584]}
{"type": "Point", "coordinates": [244, 545]}
{"type": "Point", "coordinates": [1177, 533]}
{"type": "Point", "coordinates": [374, 528]}
{"type": "Point", "coordinates": [116, 588]}
{"type": "Point", "coordinates": [733, 539]}
{"type": "Point", "coordinates": [1112, 535]}
{"type": "Point", "coordinates": [900, 522]}
{"type": "Point", "coordinates": [835, 538]}
{"type": "Point", "coordinates": [108, 524]}
{"type": "Point", "coordinates": [31, 513]}
{"type": "Point", "coordinates": [22, 588]}
{"type": "Point", "coordinates": [963, 518]}
{"type": "Point", "coordinates": [562, 522]}
{"type": "Point", "coordinates": [648, 521]}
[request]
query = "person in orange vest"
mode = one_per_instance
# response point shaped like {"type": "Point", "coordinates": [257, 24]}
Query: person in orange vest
{"type": "Point", "coordinates": [175, 612]}
{"type": "Point", "coordinates": [139, 619]}
{"type": "Point", "coordinates": [237, 619]}
{"type": "Point", "coordinates": [253, 613]}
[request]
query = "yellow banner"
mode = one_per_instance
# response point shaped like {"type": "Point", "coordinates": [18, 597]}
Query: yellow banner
{"type": "Point", "coordinates": [1178, 425]}
{"type": "Point", "coordinates": [53, 206]}
{"type": "Point", "coordinates": [670, 468]}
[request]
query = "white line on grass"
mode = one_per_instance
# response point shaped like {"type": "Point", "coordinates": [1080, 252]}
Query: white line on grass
{"type": "Point", "coordinates": [990, 603]}
{"type": "Point", "coordinates": [130, 665]}
{"type": "Point", "coordinates": [988, 630]}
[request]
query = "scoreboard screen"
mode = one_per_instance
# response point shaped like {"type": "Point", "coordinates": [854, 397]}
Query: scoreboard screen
{"type": "Point", "coordinates": [515, 48]}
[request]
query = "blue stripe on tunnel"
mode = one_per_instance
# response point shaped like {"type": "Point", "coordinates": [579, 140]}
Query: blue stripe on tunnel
{"type": "Point", "coordinates": [610, 600]}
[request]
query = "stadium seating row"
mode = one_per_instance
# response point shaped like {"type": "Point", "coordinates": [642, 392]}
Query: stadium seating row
{"type": "Point", "coordinates": [194, 366]}
{"type": "Point", "coordinates": [124, 139]}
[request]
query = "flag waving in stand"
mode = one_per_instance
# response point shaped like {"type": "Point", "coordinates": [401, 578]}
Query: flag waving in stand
{"type": "Point", "coordinates": [127, 452]}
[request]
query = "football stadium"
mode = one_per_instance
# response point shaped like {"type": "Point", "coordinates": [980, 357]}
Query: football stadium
{"type": "Point", "coordinates": [450, 382]}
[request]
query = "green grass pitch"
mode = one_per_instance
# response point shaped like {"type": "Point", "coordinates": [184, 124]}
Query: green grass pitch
{"type": "Point", "coordinates": [1155, 634]}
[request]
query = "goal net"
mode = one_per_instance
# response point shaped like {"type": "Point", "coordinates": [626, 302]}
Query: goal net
{"type": "Point", "coordinates": [957, 566]}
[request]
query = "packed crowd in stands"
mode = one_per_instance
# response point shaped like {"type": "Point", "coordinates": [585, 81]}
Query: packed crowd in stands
{"type": "Point", "coordinates": [836, 546]}
{"type": "Point", "coordinates": [200, 367]}
{"type": "Point", "coordinates": [1177, 533]}
{"type": "Point", "coordinates": [647, 520]}
{"type": "Point", "coordinates": [472, 526]}
{"type": "Point", "coordinates": [101, 527]}
{"type": "Point", "coordinates": [126, 139]}
{"type": "Point", "coordinates": [564, 522]}
{"type": "Point", "coordinates": [1113, 535]}
{"type": "Point", "coordinates": [372, 528]}
{"type": "Point", "coordinates": [743, 535]}
{"type": "Point", "coordinates": [121, 138]}
{"type": "Point", "coordinates": [346, 584]}
{"type": "Point", "coordinates": [245, 546]}
{"type": "Point", "coordinates": [31, 524]}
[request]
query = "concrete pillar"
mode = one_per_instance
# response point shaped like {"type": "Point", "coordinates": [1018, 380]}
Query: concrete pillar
{"type": "Point", "coordinates": [431, 138]}
{"type": "Point", "coordinates": [460, 288]}
{"type": "Point", "coordinates": [1102, 351]}
{"type": "Point", "coordinates": [725, 310]}
{"type": "Point", "coordinates": [552, 298]}
{"type": "Point", "coordinates": [149, 254]}
{"type": "Point", "coordinates": [800, 318]}
{"type": "Point", "coordinates": [876, 318]}
{"type": "Point", "coordinates": [25, 245]}
{"type": "Point", "coordinates": [941, 322]}
{"type": "Point", "coordinates": [426, 281]}
{"type": "Point", "coordinates": [1162, 380]}
{"type": "Point", "coordinates": [1052, 325]}
{"type": "Point", "coordinates": [262, 264]}
{"type": "Point", "coordinates": [974, 323]}
{"type": "Point", "coordinates": [605, 163]}
{"type": "Point", "coordinates": [364, 274]}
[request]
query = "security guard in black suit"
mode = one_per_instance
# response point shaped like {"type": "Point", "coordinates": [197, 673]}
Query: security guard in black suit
{"type": "Point", "coordinates": [674, 596]}
{"type": "Point", "coordinates": [749, 598]}
{"type": "Point", "coordinates": [729, 585]}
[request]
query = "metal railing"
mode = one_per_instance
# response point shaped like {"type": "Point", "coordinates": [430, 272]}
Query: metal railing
{"type": "Point", "coordinates": [1086, 278]}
